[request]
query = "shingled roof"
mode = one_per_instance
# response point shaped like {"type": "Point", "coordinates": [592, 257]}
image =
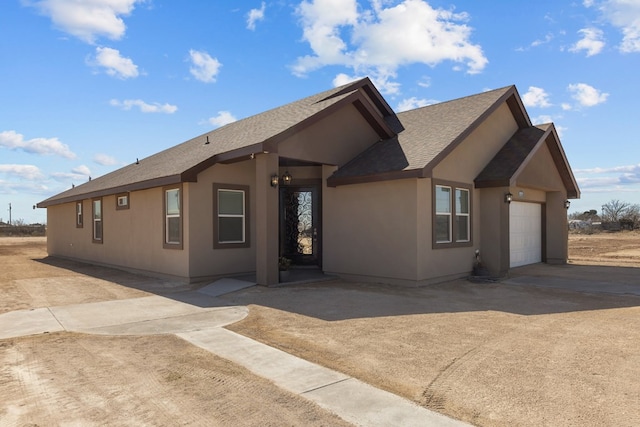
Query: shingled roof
{"type": "Point", "coordinates": [430, 134]}
{"type": "Point", "coordinates": [255, 134]}
{"type": "Point", "coordinates": [506, 165]}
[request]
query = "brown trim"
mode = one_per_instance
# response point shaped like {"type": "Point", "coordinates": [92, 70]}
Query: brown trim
{"type": "Point", "coordinates": [142, 185]}
{"type": "Point", "coordinates": [120, 207]}
{"type": "Point", "coordinates": [560, 159]}
{"type": "Point", "coordinates": [79, 220]}
{"type": "Point", "coordinates": [93, 220]}
{"type": "Point", "coordinates": [386, 176]}
{"type": "Point", "coordinates": [247, 211]}
{"type": "Point", "coordinates": [166, 245]}
{"type": "Point", "coordinates": [453, 185]}
{"type": "Point", "coordinates": [543, 230]}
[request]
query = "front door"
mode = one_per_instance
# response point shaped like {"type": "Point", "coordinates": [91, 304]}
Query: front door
{"type": "Point", "coordinates": [300, 224]}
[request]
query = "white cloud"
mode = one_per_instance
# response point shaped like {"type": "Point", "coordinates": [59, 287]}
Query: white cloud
{"type": "Point", "coordinates": [144, 107]}
{"type": "Point", "coordinates": [28, 172]}
{"type": "Point", "coordinates": [88, 20]}
{"type": "Point", "coordinates": [413, 103]}
{"type": "Point", "coordinates": [380, 40]}
{"type": "Point", "coordinates": [625, 15]}
{"type": "Point", "coordinates": [77, 174]}
{"type": "Point", "coordinates": [82, 170]}
{"type": "Point", "coordinates": [45, 146]}
{"type": "Point", "coordinates": [611, 176]}
{"type": "Point", "coordinates": [536, 97]}
{"type": "Point", "coordinates": [104, 159]}
{"type": "Point", "coordinates": [254, 16]}
{"type": "Point", "coordinates": [115, 64]}
{"type": "Point", "coordinates": [591, 41]}
{"type": "Point", "coordinates": [587, 96]}
{"type": "Point", "coordinates": [223, 118]}
{"type": "Point", "coordinates": [204, 67]}
{"type": "Point", "coordinates": [23, 187]}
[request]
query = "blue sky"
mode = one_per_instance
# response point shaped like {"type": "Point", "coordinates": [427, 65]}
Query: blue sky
{"type": "Point", "coordinates": [88, 86]}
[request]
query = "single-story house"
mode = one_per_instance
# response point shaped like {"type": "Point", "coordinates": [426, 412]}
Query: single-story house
{"type": "Point", "coordinates": [337, 181]}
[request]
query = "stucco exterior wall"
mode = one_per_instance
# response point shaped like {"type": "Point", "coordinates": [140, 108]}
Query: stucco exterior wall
{"type": "Point", "coordinates": [133, 238]}
{"type": "Point", "coordinates": [334, 140]}
{"type": "Point", "coordinates": [440, 264]}
{"type": "Point", "coordinates": [369, 231]}
{"type": "Point", "coordinates": [468, 159]}
{"type": "Point", "coordinates": [205, 261]}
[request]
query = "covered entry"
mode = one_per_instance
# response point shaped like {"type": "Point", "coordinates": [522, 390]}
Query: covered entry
{"type": "Point", "coordinates": [525, 234]}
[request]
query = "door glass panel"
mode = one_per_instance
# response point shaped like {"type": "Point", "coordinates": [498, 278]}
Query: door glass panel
{"type": "Point", "coordinates": [298, 223]}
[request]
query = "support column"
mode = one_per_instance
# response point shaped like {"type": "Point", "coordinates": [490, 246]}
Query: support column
{"type": "Point", "coordinates": [266, 216]}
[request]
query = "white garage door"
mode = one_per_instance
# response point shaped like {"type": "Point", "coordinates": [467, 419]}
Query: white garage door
{"type": "Point", "coordinates": [525, 236]}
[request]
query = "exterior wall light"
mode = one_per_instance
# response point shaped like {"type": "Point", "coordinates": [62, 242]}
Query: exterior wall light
{"type": "Point", "coordinates": [567, 204]}
{"type": "Point", "coordinates": [274, 180]}
{"type": "Point", "coordinates": [508, 198]}
{"type": "Point", "coordinates": [286, 178]}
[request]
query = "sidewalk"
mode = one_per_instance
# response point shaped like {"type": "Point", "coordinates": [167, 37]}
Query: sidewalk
{"type": "Point", "coordinates": [198, 317]}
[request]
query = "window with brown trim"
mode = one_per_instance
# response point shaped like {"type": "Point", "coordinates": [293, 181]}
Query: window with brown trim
{"type": "Point", "coordinates": [122, 201]}
{"type": "Point", "coordinates": [172, 201]}
{"type": "Point", "coordinates": [79, 215]}
{"type": "Point", "coordinates": [230, 216]}
{"type": "Point", "coordinates": [96, 213]}
{"type": "Point", "coordinates": [451, 214]}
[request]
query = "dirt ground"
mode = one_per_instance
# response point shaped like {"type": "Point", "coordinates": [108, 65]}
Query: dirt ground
{"type": "Point", "coordinates": [488, 354]}
{"type": "Point", "coordinates": [89, 380]}
{"type": "Point", "coordinates": [491, 354]}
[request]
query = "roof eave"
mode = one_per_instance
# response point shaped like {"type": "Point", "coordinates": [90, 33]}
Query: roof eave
{"type": "Point", "coordinates": [142, 185]}
{"type": "Point", "coordinates": [386, 176]}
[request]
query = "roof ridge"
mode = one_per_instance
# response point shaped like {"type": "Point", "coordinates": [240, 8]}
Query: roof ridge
{"type": "Point", "coordinates": [502, 89]}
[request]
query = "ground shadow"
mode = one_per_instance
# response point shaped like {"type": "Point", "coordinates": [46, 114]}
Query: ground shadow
{"type": "Point", "coordinates": [532, 290]}
{"type": "Point", "coordinates": [574, 288]}
{"type": "Point", "coordinates": [172, 289]}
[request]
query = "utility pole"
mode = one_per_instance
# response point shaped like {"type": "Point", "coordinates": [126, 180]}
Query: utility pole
{"type": "Point", "coordinates": [9, 213]}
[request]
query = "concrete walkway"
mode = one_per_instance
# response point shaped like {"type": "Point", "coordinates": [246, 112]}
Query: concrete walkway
{"type": "Point", "coordinates": [198, 317]}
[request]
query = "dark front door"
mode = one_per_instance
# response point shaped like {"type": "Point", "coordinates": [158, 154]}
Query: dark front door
{"type": "Point", "coordinates": [300, 224]}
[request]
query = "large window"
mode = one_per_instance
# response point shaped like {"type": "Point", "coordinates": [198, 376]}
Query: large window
{"type": "Point", "coordinates": [97, 220]}
{"type": "Point", "coordinates": [452, 215]}
{"type": "Point", "coordinates": [231, 221]}
{"type": "Point", "coordinates": [173, 218]}
{"type": "Point", "coordinates": [79, 215]}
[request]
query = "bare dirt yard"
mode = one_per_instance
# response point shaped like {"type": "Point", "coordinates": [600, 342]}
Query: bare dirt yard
{"type": "Point", "coordinates": [492, 354]}
{"type": "Point", "coordinates": [89, 380]}
{"type": "Point", "coordinates": [489, 354]}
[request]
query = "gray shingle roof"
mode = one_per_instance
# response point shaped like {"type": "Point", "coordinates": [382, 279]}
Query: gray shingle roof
{"type": "Point", "coordinates": [183, 161]}
{"type": "Point", "coordinates": [429, 132]}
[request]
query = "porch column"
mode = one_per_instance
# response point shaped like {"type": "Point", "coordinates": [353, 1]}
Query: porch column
{"type": "Point", "coordinates": [266, 216]}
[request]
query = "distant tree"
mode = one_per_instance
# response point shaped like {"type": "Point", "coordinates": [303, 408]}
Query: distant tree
{"type": "Point", "coordinates": [19, 222]}
{"type": "Point", "coordinates": [591, 215]}
{"type": "Point", "coordinates": [614, 210]}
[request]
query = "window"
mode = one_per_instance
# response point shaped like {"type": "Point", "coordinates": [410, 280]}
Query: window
{"type": "Point", "coordinates": [122, 201]}
{"type": "Point", "coordinates": [97, 220]}
{"type": "Point", "coordinates": [452, 215]}
{"type": "Point", "coordinates": [443, 214]}
{"type": "Point", "coordinates": [231, 217]}
{"type": "Point", "coordinates": [173, 218]}
{"type": "Point", "coordinates": [79, 215]}
{"type": "Point", "coordinates": [462, 215]}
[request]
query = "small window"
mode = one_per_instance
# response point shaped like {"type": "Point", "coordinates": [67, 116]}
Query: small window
{"type": "Point", "coordinates": [231, 223]}
{"type": "Point", "coordinates": [173, 218]}
{"type": "Point", "coordinates": [452, 215]}
{"type": "Point", "coordinates": [79, 215]}
{"type": "Point", "coordinates": [97, 220]}
{"type": "Point", "coordinates": [122, 201]}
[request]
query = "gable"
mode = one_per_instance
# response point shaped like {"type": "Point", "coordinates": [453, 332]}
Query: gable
{"type": "Point", "coordinates": [471, 155]}
{"type": "Point", "coordinates": [333, 140]}
{"type": "Point", "coordinates": [540, 172]}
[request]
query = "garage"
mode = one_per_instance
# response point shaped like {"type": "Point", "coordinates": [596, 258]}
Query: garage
{"type": "Point", "coordinates": [525, 234]}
